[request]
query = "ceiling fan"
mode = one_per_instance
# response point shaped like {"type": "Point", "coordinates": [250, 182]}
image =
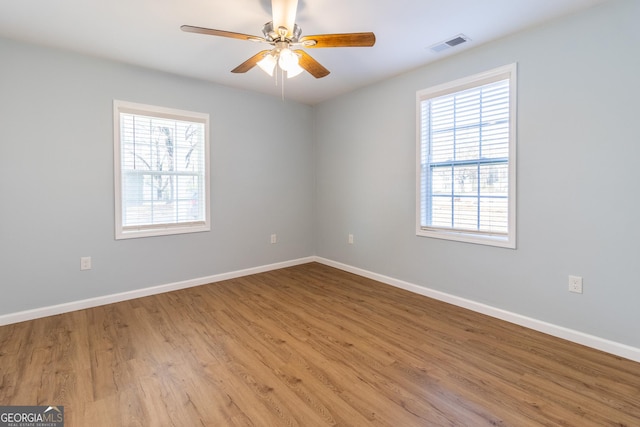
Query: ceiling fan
{"type": "Point", "coordinates": [283, 34]}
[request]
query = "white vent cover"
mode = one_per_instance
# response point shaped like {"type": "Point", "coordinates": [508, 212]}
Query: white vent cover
{"type": "Point", "coordinates": [452, 42]}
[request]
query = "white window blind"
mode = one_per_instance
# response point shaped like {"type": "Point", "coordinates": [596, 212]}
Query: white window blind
{"type": "Point", "coordinates": [161, 163]}
{"type": "Point", "coordinates": [466, 160]}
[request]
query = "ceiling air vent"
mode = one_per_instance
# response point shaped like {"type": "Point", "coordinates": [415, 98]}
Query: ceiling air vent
{"type": "Point", "coordinates": [454, 41]}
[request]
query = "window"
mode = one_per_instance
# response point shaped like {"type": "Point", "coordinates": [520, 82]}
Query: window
{"type": "Point", "coordinates": [161, 162]}
{"type": "Point", "coordinates": [466, 159]}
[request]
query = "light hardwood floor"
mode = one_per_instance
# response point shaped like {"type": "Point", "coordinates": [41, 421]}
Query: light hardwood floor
{"type": "Point", "coordinates": [309, 346]}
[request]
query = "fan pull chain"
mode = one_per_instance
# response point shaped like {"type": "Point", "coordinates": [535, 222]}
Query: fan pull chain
{"type": "Point", "coordinates": [275, 74]}
{"type": "Point", "coordinates": [282, 85]}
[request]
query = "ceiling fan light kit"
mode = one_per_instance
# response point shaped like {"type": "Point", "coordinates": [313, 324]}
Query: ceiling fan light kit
{"type": "Point", "coordinates": [281, 54]}
{"type": "Point", "coordinates": [283, 34]}
{"type": "Point", "coordinates": [285, 58]}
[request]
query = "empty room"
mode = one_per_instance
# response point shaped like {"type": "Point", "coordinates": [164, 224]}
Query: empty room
{"type": "Point", "coordinates": [315, 212]}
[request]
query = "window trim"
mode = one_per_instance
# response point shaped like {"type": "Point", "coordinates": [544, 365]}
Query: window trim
{"type": "Point", "coordinates": [151, 230]}
{"type": "Point", "coordinates": [506, 241]}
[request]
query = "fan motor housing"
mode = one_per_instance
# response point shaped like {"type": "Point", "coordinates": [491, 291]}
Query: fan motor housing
{"type": "Point", "coordinates": [271, 35]}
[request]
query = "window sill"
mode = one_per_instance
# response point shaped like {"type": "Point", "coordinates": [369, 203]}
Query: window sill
{"type": "Point", "coordinates": [479, 239]}
{"type": "Point", "coordinates": [164, 231]}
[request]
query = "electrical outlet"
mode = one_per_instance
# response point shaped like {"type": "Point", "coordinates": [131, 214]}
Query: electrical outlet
{"type": "Point", "coordinates": [274, 238]}
{"type": "Point", "coordinates": [350, 239]}
{"type": "Point", "coordinates": [575, 284]}
{"type": "Point", "coordinates": [85, 263]}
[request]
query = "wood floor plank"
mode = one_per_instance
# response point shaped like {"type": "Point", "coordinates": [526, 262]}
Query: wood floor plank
{"type": "Point", "coordinates": [308, 346]}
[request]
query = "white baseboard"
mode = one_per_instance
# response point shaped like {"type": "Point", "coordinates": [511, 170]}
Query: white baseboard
{"type": "Point", "coordinates": [592, 341]}
{"type": "Point", "coordinates": [602, 344]}
{"type": "Point", "coordinates": [139, 293]}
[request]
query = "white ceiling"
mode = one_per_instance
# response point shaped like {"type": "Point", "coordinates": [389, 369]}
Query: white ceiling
{"type": "Point", "coordinates": [147, 33]}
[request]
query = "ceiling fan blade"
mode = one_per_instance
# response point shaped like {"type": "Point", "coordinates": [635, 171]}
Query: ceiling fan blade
{"type": "Point", "coordinates": [284, 14]}
{"type": "Point", "coordinates": [311, 65]}
{"type": "Point", "coordinates": [340, 40]}
{"type": "Point", "coordinates": [250, 63]}
{"type": "Point", "coordinates": [220, 33]}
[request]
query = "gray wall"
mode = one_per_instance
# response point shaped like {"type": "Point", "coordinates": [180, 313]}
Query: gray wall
{"type": "Point", "coordinates": [56, 180]}
{"type": "Point", "coordinates": [578, 151]}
